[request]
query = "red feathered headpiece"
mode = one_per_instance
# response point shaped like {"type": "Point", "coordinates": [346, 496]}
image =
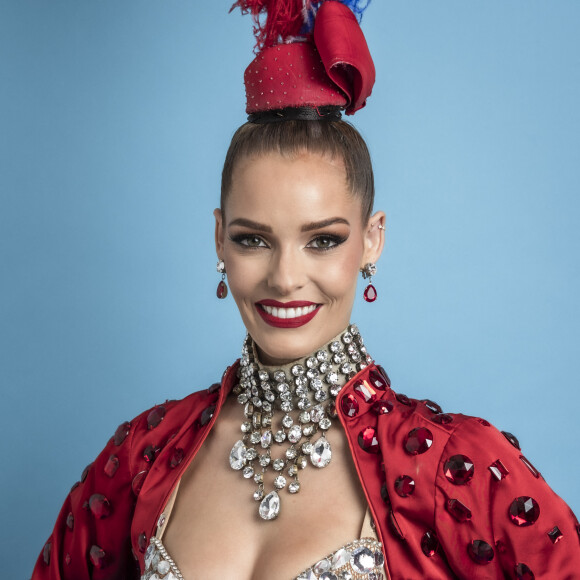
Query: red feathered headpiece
{"type": "Point", "coordinates": [310, 54]}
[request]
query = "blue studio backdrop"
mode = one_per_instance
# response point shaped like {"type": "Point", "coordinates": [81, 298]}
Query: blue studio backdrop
{"type": "Point", "coordinates": [114, 121]}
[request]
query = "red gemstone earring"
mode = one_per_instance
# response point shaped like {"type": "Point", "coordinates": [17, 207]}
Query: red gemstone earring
{"type": "Point", "coordinates": [222, 287]}
{"type": "Point", "coordinates": [368, 271]}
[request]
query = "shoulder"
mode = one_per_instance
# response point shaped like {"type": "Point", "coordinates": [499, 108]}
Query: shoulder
{"type": "Point", "coordinates": [471, 496]}
{"type": "Point", "coordinates": [92, 535]}
{"type": "Point", "coordinates": [163, 422]}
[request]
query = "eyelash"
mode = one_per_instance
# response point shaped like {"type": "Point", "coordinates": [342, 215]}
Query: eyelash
{"type": "Point", "coordinates": [336, 241]}
{"type": "Point", "coordinates": [242, 239]}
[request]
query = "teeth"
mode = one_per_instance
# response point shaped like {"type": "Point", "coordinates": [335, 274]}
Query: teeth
{"type": "Point", "coordinates": [289, 312]}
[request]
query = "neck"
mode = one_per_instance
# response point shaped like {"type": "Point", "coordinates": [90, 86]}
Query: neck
{"type": "Point", "coordinates": [302, 382]}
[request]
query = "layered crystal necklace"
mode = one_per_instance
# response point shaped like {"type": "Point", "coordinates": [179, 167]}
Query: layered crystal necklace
{"type": "Point", "coordinates": [291, 407]}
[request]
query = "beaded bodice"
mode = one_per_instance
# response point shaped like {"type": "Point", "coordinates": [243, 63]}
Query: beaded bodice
{"type": "Point", "coordinates": [361, 559]}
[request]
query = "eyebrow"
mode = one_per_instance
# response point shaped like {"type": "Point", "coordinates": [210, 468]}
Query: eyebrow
{"type": "Point", "coordinates": [305, 228]}
{"type": "Point", "coordinates": [323, 223]}
{"type": "Point", "coordinates": [251, 225]}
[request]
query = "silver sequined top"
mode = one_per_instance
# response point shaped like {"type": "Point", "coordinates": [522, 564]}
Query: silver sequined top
{"type": "Point", "coordinates": [361, 559]}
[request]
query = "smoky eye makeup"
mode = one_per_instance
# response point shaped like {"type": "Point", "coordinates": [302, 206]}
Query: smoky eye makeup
{"type": "Point", "coordinates": [248, 241]}
{"type": "Point", "coordinates": [325, 242]}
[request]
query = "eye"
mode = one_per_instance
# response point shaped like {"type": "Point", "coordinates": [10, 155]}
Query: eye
{"type": "Point", "coordinates": [325, 242]}
{"type": "Point", "coordinates": [249, 241]}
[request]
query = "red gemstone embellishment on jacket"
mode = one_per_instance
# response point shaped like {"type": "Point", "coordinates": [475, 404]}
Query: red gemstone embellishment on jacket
{"type": "Point", "coordinates": [366, 391]}
{"type": "Point", "coordinates": [214, 388]}
{"type": "Point", "coordinates": [85, 472]}
{"type": "Point", "coordinates": [459, 469]}
{"type": "Point", "coordinates": [378, 381]}
{"type": "Point", "coordinates": [405, 485]}
{"type": "Point", "coordinates": [368, 441]}
{"type": "Point", "coordinates": [442, 418]}
{"type": "Point", "coordinates": [458, 510]}
{"type": "Point", "coordinates": [70, 521]}
{"type": "Point", "coordinates": [480, 551]}
{"type": "Point", "coordinates": [484, 422]}
{"type": "Point", "coordinates": [155, 417]}
{"type": "Point", "coordinates": [138, 482]}
{"type": "Point", "coordinates": [523, 572]}
{"type": "Point", "coordinates": [142, 542]}
{"type": "Point", "coordinates": [370, 293]}
{"type": "Point", "coordinates": [432, 406]}
{"type": "Point", "coordinates": [403, 399]}
{"type": "Point", "coordinates": [385, 375]}
{"type": "Point", "coordinates": [206, 415]}
{"type": "Point", "coordinates": [112, 465]}
{"type": "Point", "coordinates": [532, 469]}
{"type": "Point", "coordinates": [100, 506]}
{"type": "Point", "coordinates": [555, 534]}
{"type": "Point", "coordinates": [429, 544]}
{"type": "Point", "coordinates": [498, 470]}
{"type": "Point", "coordinates": [121, 433]}
{"type": "Point", "coordinates": [382, 407]}
{"type": "Point", "coordinates": [67, 559]}
{"type": "Point", "coordinates": [512, 439]}
{"type": "Point", "coordinates": [385, 494]}
{"type": "Point", "coordinates": [176, 457]}
{"type": "Point", "coordinates": [349, 405]}
{"type": "Point", "coordinates": [418, 441]}
{"type": "Point", "coordinates": [150, 453]}
{"type": "Point", "coordinates": [46, 553]}
{"type": "Point", "coordinates": [98, 557]}
{"type": "Point", "coordinates": [524, 511]}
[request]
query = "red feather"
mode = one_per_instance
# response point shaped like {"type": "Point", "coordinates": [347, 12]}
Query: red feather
{"type": "Point", "coordinates": [284, 19]}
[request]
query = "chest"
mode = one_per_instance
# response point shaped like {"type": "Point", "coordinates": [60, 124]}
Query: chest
{"type": "Point", "coordinates": [214, 529]}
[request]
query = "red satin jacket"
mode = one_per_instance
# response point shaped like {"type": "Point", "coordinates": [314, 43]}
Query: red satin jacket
{"type": "Point", "coordinates": [452, 497]}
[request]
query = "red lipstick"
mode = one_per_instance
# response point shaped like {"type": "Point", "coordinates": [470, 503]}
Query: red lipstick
{"type": "Point", "coordinates": [278, 322]}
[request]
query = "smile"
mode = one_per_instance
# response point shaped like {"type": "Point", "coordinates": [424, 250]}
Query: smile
{"type": "Point", "coordinates": [289, 312]}
{"type": "Point", "coordinates": [287, 315]}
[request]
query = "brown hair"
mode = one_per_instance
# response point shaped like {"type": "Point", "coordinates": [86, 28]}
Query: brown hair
{"type": "Point", "coordinates": [290, 138]}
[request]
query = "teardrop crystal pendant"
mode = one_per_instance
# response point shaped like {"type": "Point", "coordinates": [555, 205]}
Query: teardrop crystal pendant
{"type": "Point", "coordinates": [370, 293]}
{"type": "Point", "coordinates": [270, 506]}
{"type": "Point", "coordinates": [222, 290]}
{"type": "Point", "coordinates": [238, 455]}
{"type": "Point", "coordinates": [321, 452]}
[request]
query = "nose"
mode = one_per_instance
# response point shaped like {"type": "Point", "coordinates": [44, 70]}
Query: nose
{"type": "Point", "coordinates": [287, 271]}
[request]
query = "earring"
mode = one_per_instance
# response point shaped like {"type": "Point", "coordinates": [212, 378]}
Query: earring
{"type": "Point", "coordinates": [222, 287]}
{"type": "Point", "coordinates": [368, 271]}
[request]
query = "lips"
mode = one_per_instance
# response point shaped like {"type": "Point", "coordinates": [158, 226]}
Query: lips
{"type": "Point", "coordinates": [287, 314]}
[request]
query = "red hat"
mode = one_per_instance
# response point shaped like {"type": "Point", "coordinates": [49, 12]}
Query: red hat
{"type": "Point", "coordinates": [322, 67]}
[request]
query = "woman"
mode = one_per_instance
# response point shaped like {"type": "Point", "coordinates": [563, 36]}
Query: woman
{"type": "Point", "coordinates": [306, 416]}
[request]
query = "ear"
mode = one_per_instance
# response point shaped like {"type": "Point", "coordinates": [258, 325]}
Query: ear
{"type": "Point", "coordinates": [374, 238]}
{"type": "Point", "coordinates": [219, 232]}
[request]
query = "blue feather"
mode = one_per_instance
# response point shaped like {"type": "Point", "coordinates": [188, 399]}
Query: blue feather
{"type": "Point", "coordinates": [356, 6]}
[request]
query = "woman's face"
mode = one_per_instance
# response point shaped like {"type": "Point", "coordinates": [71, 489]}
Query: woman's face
{"type": "Point", "coordinates": [293, 242]}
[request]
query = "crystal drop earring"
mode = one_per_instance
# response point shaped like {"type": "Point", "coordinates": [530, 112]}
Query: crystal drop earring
{"type": "Point", "coordinates": [222, 287]}
{"type": "Point", "coordinates": [368, 271]}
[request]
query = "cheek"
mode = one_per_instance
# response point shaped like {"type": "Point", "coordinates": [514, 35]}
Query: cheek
{"type": "Point", "coordinates": [243, 276]}
{"type": "Point", "coordinates": [338, 278]}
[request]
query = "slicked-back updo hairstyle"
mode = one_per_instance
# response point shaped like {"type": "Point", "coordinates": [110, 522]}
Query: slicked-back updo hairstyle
{"type": "Point", "coordinates": [335, 139]}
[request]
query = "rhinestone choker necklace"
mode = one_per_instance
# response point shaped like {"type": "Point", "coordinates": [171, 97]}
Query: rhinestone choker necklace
{"type": "Point", "coordinates": [293, 405]}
